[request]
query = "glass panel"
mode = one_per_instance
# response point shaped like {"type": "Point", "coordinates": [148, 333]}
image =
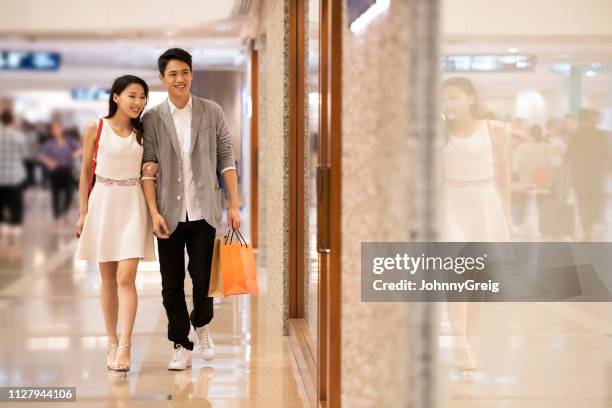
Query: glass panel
{"type": "Point", "coordinates": [312, 154]}
{"type": "Point", "coordinates": [543, 83]}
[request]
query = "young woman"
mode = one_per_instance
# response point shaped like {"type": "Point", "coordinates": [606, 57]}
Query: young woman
{"type": "Point", "coordinates": [114, 224]}
{"type": "Point", "coordinates": [476, 188]}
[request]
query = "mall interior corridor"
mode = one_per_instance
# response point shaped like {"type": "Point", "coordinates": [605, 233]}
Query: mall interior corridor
{"type": "Point", "coordinates": [331, 129]}
{"type": "Point", "coordinates": [53, 333]}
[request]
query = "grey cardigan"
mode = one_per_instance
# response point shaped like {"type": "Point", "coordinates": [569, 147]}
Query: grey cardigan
{"type": "Point", "coordinates": [211, 150]}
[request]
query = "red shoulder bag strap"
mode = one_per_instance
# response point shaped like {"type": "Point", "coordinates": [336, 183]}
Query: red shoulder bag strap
{"type": "Point", "coordinates": [95, 156]}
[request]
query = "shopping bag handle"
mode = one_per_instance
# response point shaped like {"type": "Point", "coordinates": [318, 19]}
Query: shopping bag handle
{"type": "Point", "coordinates": [240, 237]}
{"type": "Point", "coordinates": [230, 237]}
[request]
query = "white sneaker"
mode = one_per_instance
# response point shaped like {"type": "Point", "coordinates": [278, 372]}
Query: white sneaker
{"type": "Point", "coordinates": [205, 347]}
{"type": "Point", "coordinates": [181, 359]}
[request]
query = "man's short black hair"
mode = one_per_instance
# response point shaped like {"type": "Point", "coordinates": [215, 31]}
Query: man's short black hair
{"type": "Point", "coordinates": [173, 54]}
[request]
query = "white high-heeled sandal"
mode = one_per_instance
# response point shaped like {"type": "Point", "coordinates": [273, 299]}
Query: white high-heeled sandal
{"type": "Point", "coordinates": [110, 362]}
{"type": "Point", "coordinates": [464, 357]}
{"type": "Point", "coordinates": [122, 367]}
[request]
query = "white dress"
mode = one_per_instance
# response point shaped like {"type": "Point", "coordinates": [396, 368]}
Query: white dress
{"type": "Point", "coordinates": [472, 206]}
{"type": "Point", "coordinates": [117, 225]}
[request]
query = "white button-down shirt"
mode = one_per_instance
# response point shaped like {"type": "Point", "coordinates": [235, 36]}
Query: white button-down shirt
{"type": "Point", "coordinates": [182, 124]}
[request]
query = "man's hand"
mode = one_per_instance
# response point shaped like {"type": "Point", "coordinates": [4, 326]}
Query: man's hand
{"type": "Point", "coordinates": [233, 217]}
{"type": "Point", "coordinates": [160, 229]}
{"type": "Point", "coordinates": [150, 169]}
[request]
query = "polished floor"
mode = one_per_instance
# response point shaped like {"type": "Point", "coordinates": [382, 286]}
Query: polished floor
{"type": "Point", "coordinates": [52, 334]}
{"type": "Point", "coordinates": [527, 355]}
{"type": "Point", "coordinates": [531, 355]}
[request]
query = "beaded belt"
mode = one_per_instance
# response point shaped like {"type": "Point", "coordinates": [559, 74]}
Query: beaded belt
{"type": "Point", "coordinates": [462, 183]}
{"type": "Point", "coordinates": [115, 182]}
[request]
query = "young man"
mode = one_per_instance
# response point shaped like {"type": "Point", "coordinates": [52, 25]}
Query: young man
{"type": "Point", "coordinates": [189, 138]}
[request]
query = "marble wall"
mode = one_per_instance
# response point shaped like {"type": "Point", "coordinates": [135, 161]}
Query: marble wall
{"type": "Point", "coordinates": [272, 43]}
{"type": "Point", "coordinates": [376, 203]}
{"type": "Point", "coordinates": [378, 190]}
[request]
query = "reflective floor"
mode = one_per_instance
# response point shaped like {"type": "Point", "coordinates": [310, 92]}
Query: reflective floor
{"type": "Point", "coordinates": [531, 355]}
{"type": "Point", "coordinates": [52, 334]}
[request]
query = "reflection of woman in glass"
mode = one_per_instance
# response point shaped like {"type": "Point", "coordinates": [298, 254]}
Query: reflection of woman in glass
{"type": "Point", "coordinates": [476, 189]}
{"type": "Point", "coordinates": [476, 169]}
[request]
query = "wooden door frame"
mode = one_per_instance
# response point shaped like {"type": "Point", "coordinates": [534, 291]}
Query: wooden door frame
{"type": "Point", "coordinates": [296, 160]}
{"type": "Point", "coordinates": [321, 371]}
{"type": "Point", "coordinates": [333, 94]}
{"type": "Point", "coordinates": [254, 143]}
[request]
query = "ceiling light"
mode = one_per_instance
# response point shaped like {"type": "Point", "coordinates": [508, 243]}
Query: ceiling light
{"type": "Point", "coordinates": [369, 15]}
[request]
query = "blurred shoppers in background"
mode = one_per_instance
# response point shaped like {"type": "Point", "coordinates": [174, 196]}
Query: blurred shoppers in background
{"type": "Point", "coordinates": [532, 161]}
{"type": "Point", "coordinates": [519, 132]}
{"type": "Point", "coordinates": [13, 152]}
{"type": "Point", "coordinates": [596, 118]}
{"type": "Point", "coordinates": [520, 137]}
{"type": "Point", "coordinates": [74, 134]}
{"type": "Point", "coordinates": [44, 135]}
{"type": "Point", "coordinates": [556, 213]}
{"type": "Point", "coordinates": [58, 154]}
{"type": "Point", "coordinates": [33, 147]}
{"type": "Point", "coordinates": [570, 126]}
{"type": "Point", "coordinates": [533, 164]}
{"type": "Point", "coordinates": [555, 137]}
{"type": "Point", "coordinates": [587, 157]}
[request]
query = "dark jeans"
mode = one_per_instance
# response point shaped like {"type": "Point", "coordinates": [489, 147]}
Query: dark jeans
{"type": "Point", "coordinates": [11, 200]}
{"type": "Point", "coordinates": [30, 166]}
{"type": "Point", "coordinates": [62, 190]}
{"type": "Point", "coordinates": [199, 238]}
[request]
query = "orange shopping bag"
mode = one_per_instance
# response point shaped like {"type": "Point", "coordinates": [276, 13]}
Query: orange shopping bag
{"type": "Point", "coordinates": [214, 287]}
{"type": "Point", "coordinates": [248, 265]}
{"type": "Point", "coordinates": [233, 267]}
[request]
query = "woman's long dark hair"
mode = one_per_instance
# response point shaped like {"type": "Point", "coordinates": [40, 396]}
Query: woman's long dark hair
{"type": "Point", "coordinates": [468, 87]}
{"type": "Point", "coordinates": [119, 86]}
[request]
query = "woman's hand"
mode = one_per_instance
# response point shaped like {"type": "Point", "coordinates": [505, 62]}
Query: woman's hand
{"type": "Point", "coordinates": [79, 224]}
{"type": "Point", "coordinates": [150, 169]}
